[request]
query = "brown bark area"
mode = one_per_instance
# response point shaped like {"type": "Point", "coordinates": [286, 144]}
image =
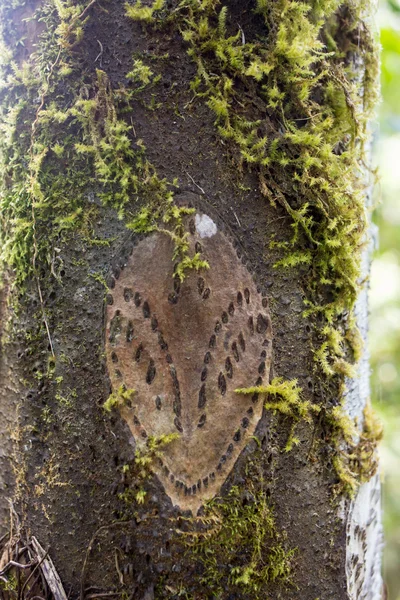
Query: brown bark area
{"type": "Point", "coordinates": [76, 453]}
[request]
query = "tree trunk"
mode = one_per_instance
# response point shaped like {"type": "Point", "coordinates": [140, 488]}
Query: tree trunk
{"type": "Point", "coordinates": [184, 391]}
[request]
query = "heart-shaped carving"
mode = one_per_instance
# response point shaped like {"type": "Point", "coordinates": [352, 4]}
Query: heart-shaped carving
{"type": "Point", "coordinates": [185, 348]}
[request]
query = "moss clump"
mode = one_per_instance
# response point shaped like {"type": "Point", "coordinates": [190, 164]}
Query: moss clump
{"type": "Point", "coordinates": [119, 398]}
{"type": "Point", "coordinates": [287, 401]}
{"type": "Point", "coordinates": [309, 152]}
{"type": "Point", "coordinates": [238, 545]}
{"type": "Point", "coordinates": [356, 457]}
{"type": "Point", "coordinates": [145, 459]}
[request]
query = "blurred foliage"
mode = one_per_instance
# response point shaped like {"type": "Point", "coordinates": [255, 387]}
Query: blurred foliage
{"type": "Point", "coordinates": [385, 288]}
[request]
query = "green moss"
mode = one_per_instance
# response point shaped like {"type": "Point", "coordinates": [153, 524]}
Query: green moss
{"type": "Point", "coordinates": [238, 545]}
{"type": "Point", "coordinates": [310, 153]}
{"type": "Point", "coordinates": [285, 398]}
{"type": "Point", "coordinates": [356, 458]}
{"type": "Point", "coordinates": [119, 398]}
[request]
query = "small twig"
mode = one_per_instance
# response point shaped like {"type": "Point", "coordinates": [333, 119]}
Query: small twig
{"type": "Point", "coordinates": [100, 54]}
{"type": "Point", "coordinates": [32, 574]}
{"type": "Point", "coordinates": [193, 181]}
{"type": "Point", "coordinates": [17, 565]}
{"type": "Point", "coordinates": [236, 217]}
{"type": "Point", "coordinates": [89, 550]}
{"type": "Point", "coordinates": [78, 17]}
{"type": "Point", "coordinates": [120, 575]}
{"type": "Point", "coordinates": [243, 36]}
{"type": "Point", "coordinates": [133, 128]}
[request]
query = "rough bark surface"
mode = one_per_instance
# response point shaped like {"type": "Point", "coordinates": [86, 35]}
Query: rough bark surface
{"type": "Point", "coordinates": [79, 494]}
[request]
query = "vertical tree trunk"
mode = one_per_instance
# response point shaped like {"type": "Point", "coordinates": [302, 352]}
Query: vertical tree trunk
{"type": "Point", "coordinates": [183, 228]}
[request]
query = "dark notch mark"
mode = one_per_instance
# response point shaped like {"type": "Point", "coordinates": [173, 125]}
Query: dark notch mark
{"type": "Point", "coordinates": [177, 285]}
{"type": "Point", "coordinates": [109, 300]}
{"type": "Point", "coordinates": [162, 343]}
{"type": "Point", "coordinates": [202, 420]}
{"type": "Point", "coordinates": [154, 323]}
{"type": "Point", "coordinates": [254, 399]}
{"type": "Point", "coordinates": [205, 481]}
{"type": "Point", "coordinates": [259, 381]}
{"type": "Point", "coordinates": [177, 407]}
{"type": "Point", "coordinates": [200, 285]}
{"type": "Point", "coordinates": [224, 317]}
{"type": "Point", "coordinates": [229, 449]}
{"type": "Point", "coordinates": [219, 466]}
{"type": "Point", "coordinates": [136, 421]}
{"type": "Point", "coordinates": [222, 384]}
{"type": "Point", "coordinates": [237, 436]}
{"type": "Point", "coordinates": [146, 310]}
{"type": "Point", "coordinates": [194, 489]}
{"type": "Point", "coordinates": [192, 227]}
{"type": "Point", "coordinates": [231, 309]}
{"type": "Point", "coordinates": [118, 373]}
{"type": "Point", "coordinates": [128, 294]}
{"type": "Point", "coordinates": [158, 403]}
{"type": "Point", "coordinates": [172, 478]}
{"type": "Point", "coordinates": [235, 352]}
{"type": "Point", "coordinates": [245, 423]}
{"type": "Point", "coordinates": [204, 374]}
{"type": "Point", "coordinates": [168, 358]}
{"type": "Point", "coordinates": [111, 282]}
{"type": "Point", "coordinates": [116, 272]}
{"type": "Point", "coordinates": [217, 327]}
{"type": "Point", "coordinates": [137, 299]}
{"type": "Point", "coordinates": [261, 368]}
{"type": "Point", "coordinates": [229, 368]}
{"type": "Point", "coordinates": [166, 471]}
{"type": "Point", "coordinates": [242, 343]}
{"type": "Point", "coordinates": [178, 425]}
{"type": "Point", "coordinates": [151, 372]}
{"type": "Point", "coordinates": [250, 411]}
{"type": "Point", "coordinates": [212, 476]}
{"type": "Point", "coordinates": [202, 396]}
{"type": "Point", "coordinates": [239, 298]}
{"type": "Point", "coordinates": [129, 332]}
{"type": "Point", "coordinates": [263, 354]}
{"type": "Point", "coordinates": [206, 293]}
{"type": "Point", "coordinates": [138, 352]}
{"type": "Point", "coordinates": [199, 484]}
{"type": "Point", "coordinates": [264, 302]}
{"type": "Point", "coordinates": [114, 357]}
{"type": "Point", "coordinates": [266, 343]}
{"type": "Point", "coordinates": [262, 323]}
{"type": "Point", "coordinates": [198, 247]}
{"type": "Point", "coordinates": [207, 358]}
{"type": "Point", "coordinates": [172, 298]}
{"type": "Point", "coordinates": [247, 295]}
{"type": "Point", "coordinates": [212, 342]}
{"type": "Point", "coordinates": [143, 433]}
{"type": "Point", "coordinates": [250, 323]}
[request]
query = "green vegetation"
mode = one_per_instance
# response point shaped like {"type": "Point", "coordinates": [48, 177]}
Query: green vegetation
{"type": "Point", "coordinates": [119, 398]}
{"type": "Point", "coordinates": [287, 401]}
{"type": "Point", "coordinates": [237, 543]}
{"type": "Point", "coordinates": [309, 153]}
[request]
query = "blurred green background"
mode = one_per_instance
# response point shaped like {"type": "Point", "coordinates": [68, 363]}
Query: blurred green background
{"type": "Point", "coordinates": [385, 288]}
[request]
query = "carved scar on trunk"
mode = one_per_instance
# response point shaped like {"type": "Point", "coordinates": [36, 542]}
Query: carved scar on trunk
{"type": "Point", "coordinates": [185, 347]}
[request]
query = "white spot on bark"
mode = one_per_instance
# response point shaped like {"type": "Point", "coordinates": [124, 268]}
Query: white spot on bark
{"type": "Point", "coordinates": [205, 226]}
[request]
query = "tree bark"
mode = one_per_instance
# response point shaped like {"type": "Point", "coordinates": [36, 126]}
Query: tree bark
{"type": "Point", "coordinates": [153, 177]}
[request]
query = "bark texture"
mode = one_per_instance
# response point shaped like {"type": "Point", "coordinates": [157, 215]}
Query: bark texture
{"type": "Point", "coordinates": [111, 312]}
